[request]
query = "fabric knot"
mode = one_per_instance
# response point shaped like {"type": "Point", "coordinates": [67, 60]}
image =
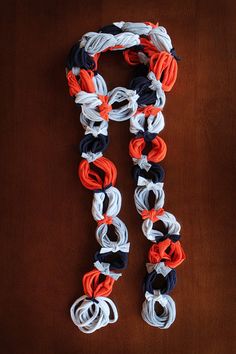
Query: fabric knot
{"type": "Point", "coordinates": [152, 214]}
{"type": "Point", "coordinates": [156, 85]}
{"type": "Point", "coordinates": [156, 296]}
{"type": "Point", "coordinates": [115, 248]}
{"type": "Point", "coordinates": [104, 268]}
{"type": "Point", "coordinates": [90, 156]}
{"type": "Point", "coordinates": [142, 162]}
{"type": "Point", "coordinates": [149, 184]}
{"type": "Point", "coordinates": [148, 137]}
{"type": "Point", "coordinates": [160, 268]}
{"type": "Point", "coordinates": [105, 107]}
{"type": "Point", "coordinates": [173, 53]}
{"type": "Point", "coordinates": [149, 110]}
{"type": "Point", "coordinates": [106, 220]}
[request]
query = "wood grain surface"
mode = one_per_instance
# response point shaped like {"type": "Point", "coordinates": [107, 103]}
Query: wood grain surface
{"type": "Point", "coordinates": [47, 231]}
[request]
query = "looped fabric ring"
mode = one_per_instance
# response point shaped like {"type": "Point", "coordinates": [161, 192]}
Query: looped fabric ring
{"type": "Point", "coordinates": [149, 314]}
{"type": "Point", "coordinates": [147, 46]}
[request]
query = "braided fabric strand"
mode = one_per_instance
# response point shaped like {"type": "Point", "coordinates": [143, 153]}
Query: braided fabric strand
{"type": "Point", "coordinates": [148, 47]}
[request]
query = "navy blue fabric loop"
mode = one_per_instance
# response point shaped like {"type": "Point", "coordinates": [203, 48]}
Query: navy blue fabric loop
{"type": "Point", "coordinates": [148, 137]}
{"type": "Point", "coordinates": [155, 173]}
{"type": "Point", "coordinates": [146, 95]}
{"type": "Point", "coordinates": [169, 280]}
{"type": "Point", "coordinates": [112, 29]}
{"type": "Point", "coordinates": [118, 260]}
{"type": "Point", "coordinates": [78, 57]}
{"type": "Point", "coordinates": [141, 70]}
{"type": "Point", "coordinates": [173, 53]}
{"type": "Point", "coordinates": [102, 190]}
{"type": "Point", "coordinates": [173, 238]}
{"type": "Point", "coordinates": [94, 144]}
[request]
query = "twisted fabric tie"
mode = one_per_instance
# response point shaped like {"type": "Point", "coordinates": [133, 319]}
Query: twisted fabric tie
{"type": "Point", "coordinates": [152, 214]}
{"type": "Point", "coordinates": [115, 248]}
{"type": "Point", "coordinates": [157, 296]}
{"type": "Point", "coordinates": [160, 268]}
{"type": "Point", "coordinates": [105, 107]}
{"type": "Point", "coordinates": [149, 110]}
{"type": "Point", "coordinates": [106, 220]}
{"type": "Point", "coordinates": [149, 184]}
{"type": "Point", "coordinates": [104, 268]}
{"type": "Point", "coordinates": [142, 162]}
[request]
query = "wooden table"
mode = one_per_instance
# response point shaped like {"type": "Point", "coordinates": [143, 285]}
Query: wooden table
{"type": "Point", "coordinates": [47, 231]}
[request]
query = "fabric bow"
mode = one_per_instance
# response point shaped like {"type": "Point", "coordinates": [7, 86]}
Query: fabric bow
{"type": "Point", "coordinates": [156, 85]}
{"type": "Point", "coordinates": [142, 162]}
{"type": "Point", "coordinates": [91, 156]}
{"type": "Point", "coordinates": [104, 268]}
{"type": "Point", "coordinates": [123, 248]}
{"type": "Point", "coordinates": [152, 214]}
{"type": "Point", "coordinates": [149, 184]}
{"type": "Point", "coordinates": [160, 268]}
{"type": "Point", "coordinates": [156, 296]}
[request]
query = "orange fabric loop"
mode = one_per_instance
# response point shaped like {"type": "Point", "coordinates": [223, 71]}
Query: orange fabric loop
{"type": "Point", "coordinates": [148, 47]}
{"type": "Point", "coordinates": [149, 110]}
{"type": "Point", "coordinates": [136, 147]}
{"type": "Point", "coordinates": [86, 80]}
{"type": "Point", "coordinates": [105, 107]}
{"type": "Point", "coordinates": [95, 58]}
{"type": "Point", "coordinates": [157, 153]}
{"type": "Point", "coordinates": [91, 179]}
{"type": "Point", "coordinates": [73, 84]}
{"type": "Point", "coordinates": [165, 67]}
{"type": "Point", "coordinates": [106, 220]}
{"type": "Point", "coordinates": [93, 287]}
{"type": "Point", "coordinates": [168, 251]}
{"type": "Point", "coordinates": [131, 57]}
{"type": "Point", "coordinates": [152, 214]}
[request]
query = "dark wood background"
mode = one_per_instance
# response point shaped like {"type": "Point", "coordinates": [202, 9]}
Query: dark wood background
{"type": "Point", "coordinates": [47, 231]}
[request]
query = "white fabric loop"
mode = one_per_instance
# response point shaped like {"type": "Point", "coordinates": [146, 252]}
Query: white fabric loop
{"type": "Point", "coordinates": [90, 315]}
{"type": "Point", "coordinates": [90, 102]}
{"type": "Point", "coordinates": [149, 315]}
{"type": "Point", "coordinates": [161, 39]}
{"type": "Point", "coordinates": [100, 85]}
{"type": "Point", "coordinates": [94, 42]}
{"type": "Point", "coordinates": [141, 197]}
{"type": "Point", "coordinates": [155, 123]}
{"type": "Point", "coordinates": [121, 233]}
{"type": "Point", "coordinates": [120, 94]}
{"type": "Point", "coordinates": [114, 203]}
{"type": "Point", "coordinates": [91, 128]}
{"type": "Point", "coordinates": [134, 27]}
{"type": "Point", "coordinates": [170, 223]}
